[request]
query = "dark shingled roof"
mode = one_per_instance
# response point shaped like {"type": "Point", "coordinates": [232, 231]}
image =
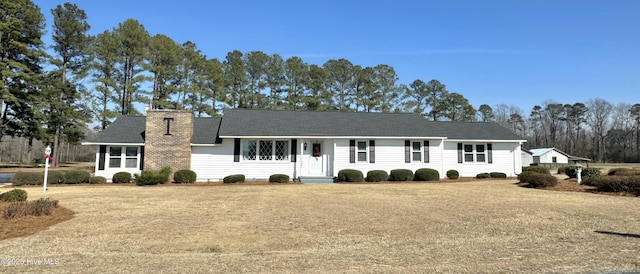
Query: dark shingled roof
{"type": "Point", "coordinates": [205, 130]}
{"type": "Point", "coordinates": [129, 129]}
{"type": "Point", "coordinates": [126, 129]}
{"type": "Point", "coordinates": [282, 123]}
{"type": "Point", "coordinates": [250, 122]}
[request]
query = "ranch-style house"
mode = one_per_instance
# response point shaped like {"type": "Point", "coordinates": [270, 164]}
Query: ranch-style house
{"type": "Point", "coordinates": [301, 144]}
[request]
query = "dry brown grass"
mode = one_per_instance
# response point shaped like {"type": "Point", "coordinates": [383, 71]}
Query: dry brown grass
{"type": "Point", "coordinates": [486, 226]}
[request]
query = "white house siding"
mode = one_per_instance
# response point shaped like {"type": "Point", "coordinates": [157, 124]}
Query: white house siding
{"type": "Point", "coordinates": [527, 158]}
{"type": "Point", "coordinates": [389, 155]}
{"type": "Point", "coordinates": [547, 158]}
{"type": "Point", "coordinates": [215, 163]}
{"type": "Point", "coordinates": [506, 159]}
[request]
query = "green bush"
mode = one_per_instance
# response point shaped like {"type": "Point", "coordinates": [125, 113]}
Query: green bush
{"type": "Point", "coordinates": [483, 175]}
{"type": "Point", "coordinates": [55, 177]}
{"type": "Point", "coordinates": [350, 175]}
{"type": "Point", "coordinates": [525, 176]}
{"type": "Point", "coordinates": [27, 178]}
{"type": "Point", "coordinates": [97, 180]}
{"type": "Point", "coordinates": [152, 177]}
{"type": "Point", "coordinates": [14, 195]}
{"type": "Point", "coordinates": [497, 175]}
{"type": "Point", "coordinates": [426, 174]}
{"type": "Point", "coordinates": [185, 176]}
{"type": "Point", "coordinates": [76, 177]}
{"type": "Point", "coordinates": [232, 179]}
{"type": "Point", "coordinates": [279, 178]}
{"type": "Point", "coordinates": [618, 183]}
{"type": "Point", "coordinates": [121, 177]}
{"type": "Point", "coordinates": [453, 174]}
{"type": "Point", "coordinates": [538, 180]}
{"type": "Point", "coordinates": [571, 171]}
{"type": "Point", "coordinates": [624, 172]}
{"type": "Point", "coordinates": [377, 176]}
{"type": "Point", "coordinates": [401, 175]}
{"type": "Point", "coordinates": [537, 169]}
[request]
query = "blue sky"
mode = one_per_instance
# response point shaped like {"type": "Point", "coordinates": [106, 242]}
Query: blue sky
{"type": "Point", "coordinates": [518, 53]}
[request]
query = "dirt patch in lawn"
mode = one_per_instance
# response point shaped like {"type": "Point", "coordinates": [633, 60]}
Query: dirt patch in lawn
{"type": "Point", "coordinates": [29, 225]}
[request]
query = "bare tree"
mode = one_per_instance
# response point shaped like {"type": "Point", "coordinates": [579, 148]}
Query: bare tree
{"type": "Point", "coordinates": [599, 119]}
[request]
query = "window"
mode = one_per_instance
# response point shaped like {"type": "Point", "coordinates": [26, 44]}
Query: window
{"type": "Point", "coordinates": [249, 150]}
{"type": "Point", "coordinates": [131, 154]}
{"type": "Point", "coordinates": [130, 157]}
{"type": "Point", "coordinates": [282, 150]}
{"type": "Point", "coordinates": [554, 159]}
{"type": "Point", "coordinates": [265, 150]}
{"type": "Point", "coordinates": [416, 152]}
{"type": "Point", "coordinates": [115, 156]}
{"type": "Point", "coordinates": [362, 151]}
{"type": "Point", "coordinates": [475, 153]}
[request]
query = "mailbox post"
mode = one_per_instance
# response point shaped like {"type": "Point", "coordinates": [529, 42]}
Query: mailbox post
{"type": "Point", "coordinates": [47, 155]}
{"type": "Point", "coordinates": [579, 173]}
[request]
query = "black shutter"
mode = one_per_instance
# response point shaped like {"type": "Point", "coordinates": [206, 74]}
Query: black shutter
{"type": "Point", "coordinates": [459, 152]}
{"type": "Point", "coordinates": [294, 149]}
{"type": "Point", "coordinates": [236, 150]}
{"type": "Point", "coordinates": [372, 151]}
{"type": "Point", "coordinates": [352, 151]}
{"type": "Point", "coordinates": [407, 151]}
{"type": "Point", "coordinates": [489, 153]}
{"type": "Point", "coordinates": [426, 151]}
{"type": "Point", "coordinates": [141, 157]}
{"type": "Point", "coordinates": [101, 155]}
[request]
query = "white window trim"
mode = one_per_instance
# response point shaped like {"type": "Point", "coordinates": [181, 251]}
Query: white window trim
{"type": "Point", "coordinates": [475, 153]}
{"type": "Point", "coordinates": [366, 151]}
{"type": "Point", "coordinates": [123, 158]}
{"type": "Point", "coordinates": [273, 151]}
{"type": "Point", "coordinates": [420, 150]}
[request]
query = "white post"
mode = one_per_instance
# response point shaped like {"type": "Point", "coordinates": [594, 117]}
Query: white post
{"type": "Point", "coordinates": [47, 153]}
{"type": "Point", "coordinates": [579, 173]}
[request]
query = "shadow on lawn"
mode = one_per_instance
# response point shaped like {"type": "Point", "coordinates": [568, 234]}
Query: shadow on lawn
{"type": "Point", "coordinates": [630, 235]}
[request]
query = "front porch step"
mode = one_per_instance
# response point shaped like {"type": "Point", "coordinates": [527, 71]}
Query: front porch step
{"type": "Point", "coordinates": [316, 179]}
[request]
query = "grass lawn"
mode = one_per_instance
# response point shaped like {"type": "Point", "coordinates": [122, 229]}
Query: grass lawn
{"type": "Point", "coordinates": [486, 226]}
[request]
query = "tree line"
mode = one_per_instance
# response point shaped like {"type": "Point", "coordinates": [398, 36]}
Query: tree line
{"type": "Point", "coordinates": [55, 96]}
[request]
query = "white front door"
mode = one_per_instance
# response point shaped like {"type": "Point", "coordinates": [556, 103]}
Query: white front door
{"type": "Point", "coordinates": [316, 159]}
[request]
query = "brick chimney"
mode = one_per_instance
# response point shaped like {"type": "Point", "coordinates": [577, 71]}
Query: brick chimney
{"type": "Point", "coordinates": [168, 135]}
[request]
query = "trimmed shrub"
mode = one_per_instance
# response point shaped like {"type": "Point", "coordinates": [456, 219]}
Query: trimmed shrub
{"type": "Point", "coordinates": [279, 178]}
{"type": "Point", "coordinates": [497, 175]}
{"type": "Point", "coordinates": [538, 169]}
{"type": "Point", "coordinates": [524, 177]}
{"type": "Point", "coordinates": [54, 177]}
{"type": "Point", "coordinates": [14, 195]}
{"type": "Point", "coordinates": [629, 184]}
{"type": "Point", "coordinates": [76, 177]}
{"type": "Point", "coordinates": [401, 175]}
{"type": "Point", "coordinates": [152, 177]}
{"type": "Point", "coordinates": [377, 176]}
{"type": "Point", "coordinates": [586, 172]}
{"type": "Point", "coordinates": [453, 174]}
{"type": "Point", "coordinates": [122, 177]}
{"type": "Point", "coordinates": [624, 172]}
{"type": "Point", "coordinates": [426, 174]}
{"type": "Point", "coordinates": [232, 179]}
{"type": "Point", "coordinates": [483, 175]}
{"type": "Point", "coordinates": [97, 180]}
{"type": "Point", "coordinates": [27, 178]}
{"type": "Point", "coordinates": [350, 175]}
{"type": "Point", "coordinates": [537, 180]}
{"type": "Point", "coordinates": [185, 176]}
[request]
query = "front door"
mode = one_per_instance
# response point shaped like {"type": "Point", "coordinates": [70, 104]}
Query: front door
{"type": "Point", "coordinates": [316, 160]}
